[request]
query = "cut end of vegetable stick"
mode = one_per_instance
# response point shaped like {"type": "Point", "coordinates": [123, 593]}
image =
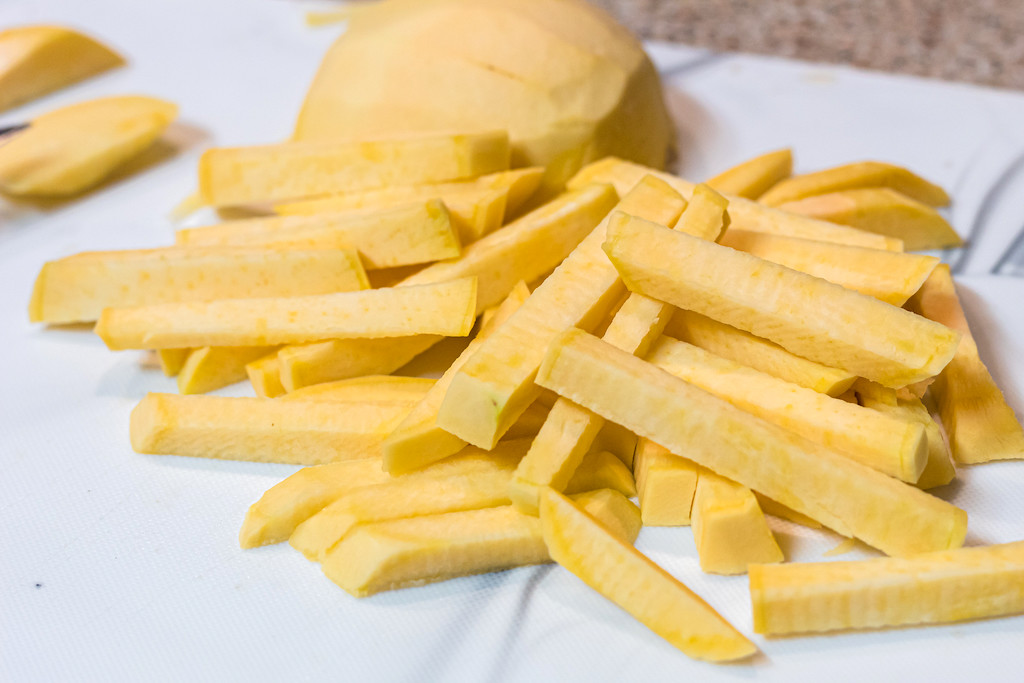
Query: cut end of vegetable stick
{"type": "Point", "coordinates": [729, 527]}
{"type": "Point", "coordinates": [754, 177]}
{"type": "Point", "coordinates": [172, 360]}
{"type": "Point", "coordinates": [665, 484]}
{"type": "Point", "coordinates": [419, 440]}
{"type": "Point", "coordinates": [853, 176]}
{"type": "Point", "coordinates": [265, 376]}
{"type": "Point", "coordinates": [446, 308]}
{"type": "Point", "coordinates": [651, 595]}
{"type": "Point", "coordinates": [706, 216]}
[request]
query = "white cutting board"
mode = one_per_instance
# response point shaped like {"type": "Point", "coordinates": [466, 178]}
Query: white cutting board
{"type": "Point", "coordinates": [118, 566]}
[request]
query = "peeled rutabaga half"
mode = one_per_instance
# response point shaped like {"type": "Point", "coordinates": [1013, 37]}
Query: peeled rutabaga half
{"type": "Point", "coordinates": [568, 83]}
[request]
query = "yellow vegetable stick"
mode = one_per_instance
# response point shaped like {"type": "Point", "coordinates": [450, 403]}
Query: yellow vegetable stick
{"type": "Point", "coordinates": [480, 483]}
{"type": "Point", "coordinates": [288, 503]}
{"type": "Point", "coordinates": [570, 429]}
{"type": "Point", "coordinates": [69, 150]}
{"type": "Point", "coordinates": [242, 175]}
{"type": "Point", "coordinates": [754, 177]}
{"type": "Point", "coordinates": [584, 546]}
{"type": "Point", "coordinates": [938, 469]}
{"type": "Point", "coordinates": [980, 424]}
{"type": "Point", "coordinates": [883, 212]}
{"type": "Point", "coordinates": [854, 176]}
{"type": "Point", "coordinates": [172, 360]}
{"type": "Point", "coordinates": [665, 484]}
{"type": "Point", "coordinates": [805, 315]}
{"type": "Point", "coordinates": [265, 376]}
{"type": "Point", "coordinates": [745, 214]}
{"type": "Point", "coordinates": [523, 250]}
{"type": "Point", "coordinates": [493, 388]}
{"type": "Point", "coordinates": [261, 429]}
{"type": "Point", "coordinates": [398, 236]}
{"type": "Point", "coordinates": [615, 439]}
{"type": "Point", "coordinates": [729, 528]}
{"type": "Point", "coordinates": [845, 496]}
{"type": "Point", "coordinates": [419, 441]}
{"type": "Point", "coordinates": [447, 308]}
{"type": "Point", "coordinates": [940, 587]}
{"type": "Point", "coordinates": [78, 288]}
{"type": "Point", "coordinates": [209, 368]}
{"type": "Point", "coordinates": [760, 354]}
{"type": "Point", "coordinates": [369, 388]}
{"type": "Point", "coordinates": [41, 59]}
{"type": "Point", "coordinates": [602, 470]}
{"type": "Point", "coordinates": [477, 207]}
{"type": "Point", "coordinates": [430, 548]}
{"type": "Point", "coordinates": [893, 444]}
{"type": "Point", "coordinates": [890, 276]}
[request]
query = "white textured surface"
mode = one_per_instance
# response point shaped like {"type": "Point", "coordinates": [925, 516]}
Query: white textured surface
{"type": "Point", "coordinates": [117, 566]}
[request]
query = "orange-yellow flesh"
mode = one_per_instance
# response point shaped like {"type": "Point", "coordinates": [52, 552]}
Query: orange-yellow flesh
{"type": "Point", "coordinates": [242, 175]}
{"type": "Point", "coordinates": [807, 316]}
{"type": "Point", "coordinates": [747, 349]}
{"type": "Point", "coordinates": [523, 250]}
{"type": "Point", "coordinates": [665, 485]}
{"type": "Point", "coordinates": [414, 551]}
{"type": "Point", "coordinates": [729, 527]}
{"type": "Point", "coordinates": [744, 213]}
{"type": "Point", "coordinates": [845, 496]}
{"type": "Point", "coordinates": [585, 546]}
{"type": "Point", "coordinates": [754, 177]}
{"type": "Point", "coordinates": [893, 444]}
{"type": "Point", "coordinates": [571, 430]}
{"type": "Point", "coordinates": [419, 440]}
{"type": "Point", "coordinates": [864, 174]}
{"type": "Point", "coordinates": [496, 384]}
{"type": "Point", "coordinates": [890, 276]}
{"type": "Point", "coordinates": [447, 308]}
{"type": "Point", "coordinates": [981, 426]}
{"type": "Point", "coordinates": [940, 587]}
{"type": "Point", "coordinates": [884, 212]}
{"type": "Point", "coordinates": [261, 429]}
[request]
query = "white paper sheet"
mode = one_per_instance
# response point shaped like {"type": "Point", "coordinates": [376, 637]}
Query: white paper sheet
{"type": "Point", "coordinates": [118, 566]}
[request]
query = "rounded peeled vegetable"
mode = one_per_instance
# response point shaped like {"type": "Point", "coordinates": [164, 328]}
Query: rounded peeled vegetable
{"type": "Point", "coordinates": [568, 83]}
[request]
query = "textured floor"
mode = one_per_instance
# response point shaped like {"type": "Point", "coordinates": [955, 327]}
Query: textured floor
{"type": "Point", "coordinates": [978, 41]}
